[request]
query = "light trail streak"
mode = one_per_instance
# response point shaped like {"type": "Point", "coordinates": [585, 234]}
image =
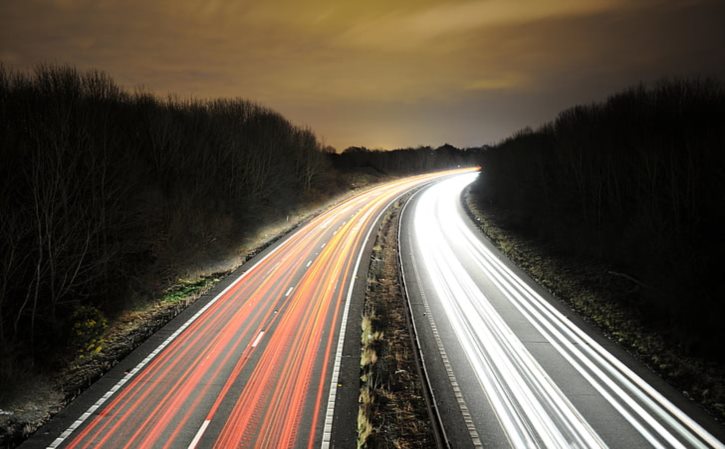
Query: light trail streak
{"type": "Point", "coordinates": [531, 408]}
{"type": "Point", "coordinates": [255, 367]}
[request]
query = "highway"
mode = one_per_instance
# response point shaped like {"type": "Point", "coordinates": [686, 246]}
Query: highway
{"type": "Point", "coordinates": [258, 364]}
{"type": "Point", "coordinates": [509, 366]}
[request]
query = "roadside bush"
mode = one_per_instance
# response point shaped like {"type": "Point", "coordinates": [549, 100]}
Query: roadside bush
{"type": "Point", "coordinates": [88, 325]}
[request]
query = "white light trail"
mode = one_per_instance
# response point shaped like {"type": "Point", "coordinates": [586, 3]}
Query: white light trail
{"type": "Point", "coordinates": [531, 408]}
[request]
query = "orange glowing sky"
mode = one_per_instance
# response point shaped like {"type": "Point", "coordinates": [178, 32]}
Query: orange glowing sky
{"type": "Point", "coordinates": [378, 73]}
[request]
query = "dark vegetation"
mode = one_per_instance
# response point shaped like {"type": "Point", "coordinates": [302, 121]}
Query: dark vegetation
{"type": "Point", "coordinates": [589, 287]}
{"type": "Point", "coordinates": [99, 187]}
{"type": "Point", "coordinates": [403, 161]}
{"type": "Point", "coordinates": [636, 183]}
{"type": "Point", "coordinates": [392, 407]}
{"type": "Point", "coordinates": [106, 195]}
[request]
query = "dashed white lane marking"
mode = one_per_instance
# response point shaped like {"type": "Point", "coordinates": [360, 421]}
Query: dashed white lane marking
{"type": "Point", "coordinates": [256, 340]}
{"type": "Point", "coordinates": [468, 420]}
{"type": "Point", "coordinates": [199, 433]}
{"type": "Point", "coordinates": [57, 442]}
{"type": "Point", "coordinates": [323, 245]}
{"type": "Point", "coordinates": [289, 290]}
{"type": "Point", "coordinates": [309, 262]}
{"type": "Point", "coordinates": [329, 414]}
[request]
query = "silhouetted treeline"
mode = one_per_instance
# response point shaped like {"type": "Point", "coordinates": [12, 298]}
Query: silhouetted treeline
{"type": "Point", "coordinates": [637, 181]}
{"type": "Point", "coordinates": [406, 160]}
{"type": "Point", "coordinates": [99, 186]}
{"type": "Point", "coordinates": [106, 196]}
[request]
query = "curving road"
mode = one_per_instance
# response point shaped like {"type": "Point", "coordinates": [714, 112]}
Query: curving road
{"type": "Point", "coordinates": [509, 367]}
{"type": "Point", "coordinates": [257, 365]}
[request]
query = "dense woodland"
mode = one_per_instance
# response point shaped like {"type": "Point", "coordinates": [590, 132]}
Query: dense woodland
{"type": "Point", "coordinates": [637, 182]}
{"type": "Point", "coordinates": [405, 160]}
{"type": "Point", "coordinates": [105, 194]}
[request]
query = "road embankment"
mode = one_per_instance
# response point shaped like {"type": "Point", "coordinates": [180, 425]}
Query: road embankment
{"type": "Point", "coordinates": [39, 397]}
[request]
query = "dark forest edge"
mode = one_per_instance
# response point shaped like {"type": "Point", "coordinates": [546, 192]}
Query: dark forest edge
{"type": "Point", "coordinates": [635, 184]}
{"type": "Point", "coordinates": [106, 196]}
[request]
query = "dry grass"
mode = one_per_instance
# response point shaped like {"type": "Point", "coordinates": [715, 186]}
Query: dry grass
{"type": "Point", "coordinates": [392, 411]}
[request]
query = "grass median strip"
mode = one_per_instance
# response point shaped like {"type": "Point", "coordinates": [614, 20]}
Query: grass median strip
{"type": "Point", "coordinates": [392, 410]}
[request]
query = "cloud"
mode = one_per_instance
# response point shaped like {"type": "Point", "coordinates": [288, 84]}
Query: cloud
{"type": "Point", "coordinates": [496, 83]}
{"type": "Point", "coordinates": [380, 71]}
{"type": "Point", "coordinates": [408, 29]}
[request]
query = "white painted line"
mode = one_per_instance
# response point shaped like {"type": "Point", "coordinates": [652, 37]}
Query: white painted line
{"type": "Point", "coordinates": [58, 441]}
{"type": "Point", "coordinates": [657, 420]}
{"type": "Point", "coordinates": [330, 412]}
{"type": "Point", "coordinates": [528, 404]}
{"type": "Point", "coordinates": [309, 262]}
{"type": "Point", "coordinates": [289, 291]}
{"type": "Point", "coordinates": [199, 433]}
{"type": "Point", "coordinates": [624, 394]}
{"type": "Point", "coordinates": [256, 340]}
{"type": "Point", "coordinates": [323, 245]}
{"type": "Point", "coordinates": [475, 438]}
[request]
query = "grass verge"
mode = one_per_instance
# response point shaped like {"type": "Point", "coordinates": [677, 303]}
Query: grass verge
{"type": "Point", "coordinates": [37, 397]}
{"type": "Point", "coordinates": [392, 410]}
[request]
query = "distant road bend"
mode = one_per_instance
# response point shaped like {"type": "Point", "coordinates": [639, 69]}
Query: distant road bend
{"type": "Point", "coordinates": [257, 365]}
{"type": "Point", "coordinates": [508, 367]}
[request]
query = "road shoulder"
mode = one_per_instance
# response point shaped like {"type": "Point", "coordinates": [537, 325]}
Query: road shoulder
{"type": "Point", "coordinates": [570, 286]}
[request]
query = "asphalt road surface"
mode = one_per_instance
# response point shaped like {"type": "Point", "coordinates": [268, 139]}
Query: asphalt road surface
{"type": "Point", "coordinates": [256, 365]}
{"type": "Point", "coordinates": [509, 365]}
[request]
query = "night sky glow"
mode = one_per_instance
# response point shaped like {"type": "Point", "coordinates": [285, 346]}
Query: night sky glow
{"type": "Point", "coordinates": [378, 73]}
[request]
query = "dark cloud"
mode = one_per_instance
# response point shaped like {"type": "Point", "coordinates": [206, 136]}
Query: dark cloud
{"type": "Point", "coordinates": [378, 73]}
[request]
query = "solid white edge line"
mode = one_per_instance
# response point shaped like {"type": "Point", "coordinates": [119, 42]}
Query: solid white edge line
{"type": "Point", "coordinates": [651, 405]}
{"type": "Point", "coordinates": [57, 442]}
{"type": "Point", "coordinates": [330, 412]}
{"type": "Point", "coordinates": [199, 434]}
{"type": "Point", "coordinates": [631, 384]}
{"type": "Point", "coordinates": [504, 343]}
{"type": "Point", "coordinates": [473, 433]}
